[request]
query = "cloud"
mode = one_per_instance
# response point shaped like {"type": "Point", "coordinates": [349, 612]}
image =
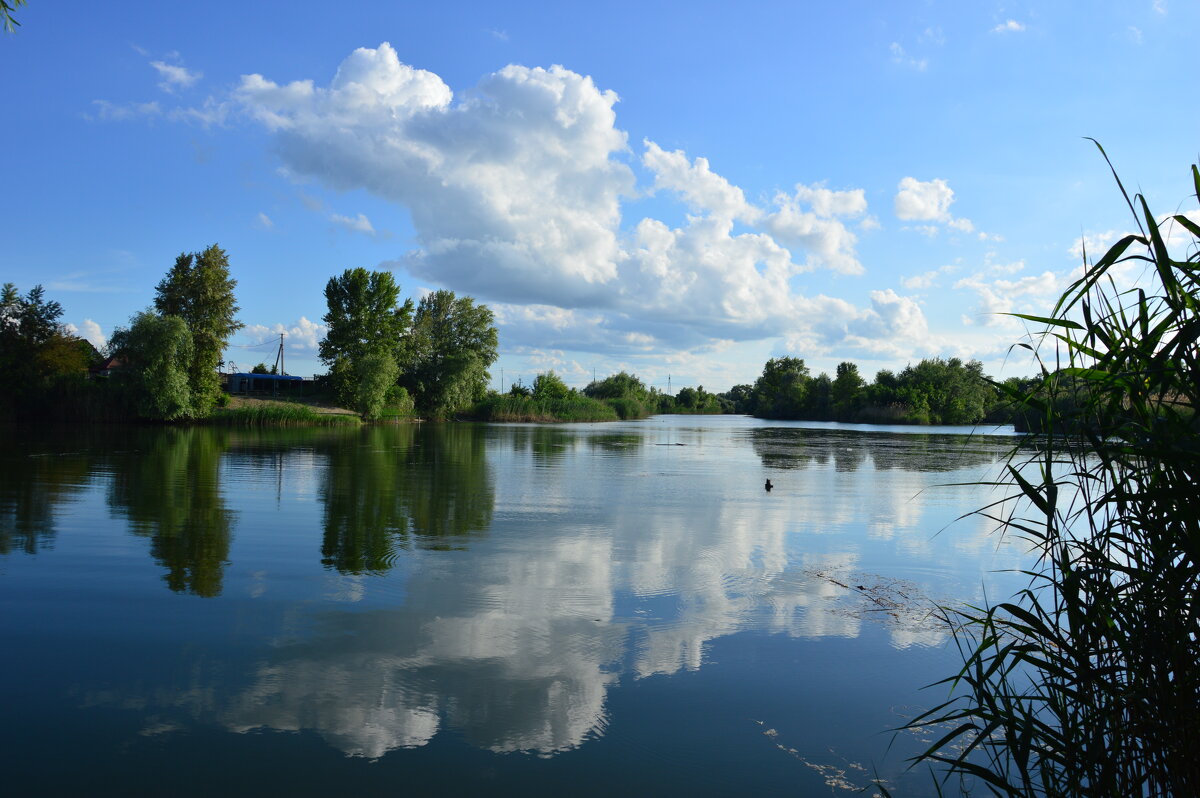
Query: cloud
{"type": "Point", "coordinates": [174, 76]}
{"type": "Point", "coordinates": [703, 190]}
{"type": "Point", "coordinates": [923, 201]}
{"type": "Point", "coordinates": [511, 190]}
{"type": "Point", "coordinates": [263, 221]}
{"type": "Point", "coordinates": [893, 325]}
{"type": "Point", "coordinates": [1179, 241]}
{"type": "Point", "coordinates": [89, 331]}
{"type": "Point", "coordinates": [1030, 294]}
{"type": "Point", "coordinates": [928, 201]}
{"type": "Point", "coordinates": [357, 224]}
{"type": "Point", "coordinates": [302, 336]}
{"type": "Point", "coordinates": [116, 112]}
{"type": "Point", "coordinates": [516, 192]}
{"type": "Point", "coordinates": [900, 56]}
{"type": "Point", "coordinates": [926, 280]}
{"type": "Point", "coordinates": [932, 35]}
{"type": "Point", "coordinates": [1009, 26]}
{"type": "Point", "coordinates": [211, 112]}
{"type": "Point", "coordinates": [817, 230]}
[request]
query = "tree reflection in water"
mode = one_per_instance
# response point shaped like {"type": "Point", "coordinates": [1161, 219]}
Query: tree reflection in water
{"type": "Point", "coordinates": [38, 474]}
{"type": "Point", "coordinates": [390, 487]}
{"type": "Point", "coordinates": [168, 487]}
{"type": "Point", "coordinates": [800, 447]}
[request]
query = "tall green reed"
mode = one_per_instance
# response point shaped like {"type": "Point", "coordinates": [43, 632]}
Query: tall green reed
{"type": "Point", "coordinates": [1087, 682]}
{"type": "Point", "coordinates": [279, 414]}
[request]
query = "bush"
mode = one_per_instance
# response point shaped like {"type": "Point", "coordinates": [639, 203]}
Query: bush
{"type": "Point", "coordinates": [628, 408]}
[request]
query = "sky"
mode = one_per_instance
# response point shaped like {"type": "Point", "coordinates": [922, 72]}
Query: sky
{"type": "Point", "coordinates": [679, 190]}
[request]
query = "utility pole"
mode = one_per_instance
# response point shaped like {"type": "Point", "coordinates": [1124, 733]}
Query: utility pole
{"type": "Point", "coordinates": [279, 357]}
{"type": "Point", "coordinates": [669, 386]}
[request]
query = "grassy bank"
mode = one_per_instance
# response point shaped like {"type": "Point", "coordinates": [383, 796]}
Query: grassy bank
{"type": "Point", "coordinates": [278, 414]}
{"type": "Point", "coordinates": [569, 409]}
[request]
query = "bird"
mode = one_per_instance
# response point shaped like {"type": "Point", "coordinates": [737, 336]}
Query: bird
{"type": "Point", "coordinates": [768, 486]}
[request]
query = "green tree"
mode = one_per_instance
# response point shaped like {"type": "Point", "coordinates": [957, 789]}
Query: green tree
{"type": "Point", "coordinates": [364, 319]}
{"type": "Point", "coordinates": [617, 386]}
{"type": "Point", "coordinates": [946, 391]}
{"type": "Point", "coordinates": [377, 374]}
{"type": "Point", "coordinates": [781, 390]}
{"type": "Point", "coordinates": [453, 342]}
{"type": "Point", "coordinates": [549, 386]}
{"type": "Point", "coordinates": [155, 351]}
{"type": "Point", "coordinates": [199, 290]}
{"type": "Point", "coordinates": [741, 397]}
{"type": "Point", "coordinates": [818, 402]}
{"type": "Point", "coordinates": [846, 391]}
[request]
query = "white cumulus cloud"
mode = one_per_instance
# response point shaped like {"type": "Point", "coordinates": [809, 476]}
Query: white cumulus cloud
{"type": "Point", "coordinates": [302, 335]}
{"type": "Point", "coordinates": [516, 191]}
{"type": "Point", "coordinates": [89, 331]}
{"type": "Point", "coordinates": [928, 201]}
{"type": "Point", "coordinates": [1009, 26]}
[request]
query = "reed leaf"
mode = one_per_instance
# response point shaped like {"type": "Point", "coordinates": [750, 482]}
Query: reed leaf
{"type": "Point", "coordinates": [1087, 682]}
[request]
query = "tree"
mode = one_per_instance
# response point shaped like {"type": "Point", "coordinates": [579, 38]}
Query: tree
{"type": "Point", "coordinates": [377, 374]}
{"type": "Point", "coordinates": [846, 391]}
{"type": "Point", "coordinates": [363, 320]}
{"type": "Point", "coordinates": [35, 349]}
{"type": "Point", "coordinates": [199, 290]}
{"type": "Point", "coordinates": [453, 342]}
{"type": "Point", "coordinates": [156, 351]}
{"type": "Point", "coordinates": [781, 390]}
{"type": "Point", "coordinates": [617, 386]}
{"type": "Point", "coordinates": [742, 398]}
{"type": "Point", "coordinates": [549, 386]}
{"type": "Point", "coordinates": [6, 10]}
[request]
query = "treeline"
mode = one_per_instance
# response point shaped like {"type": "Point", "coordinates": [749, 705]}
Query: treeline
{"type": "Point", "coordinates": [40, 360]}
{"type": "Point", "coordinates": [430, 359]}
{"type": "Point", "coordinates": [619, 396]}
{"type": "Point", "coordinates": [391, 358]}
{"type": "Point", "coordinates": [934, 391]}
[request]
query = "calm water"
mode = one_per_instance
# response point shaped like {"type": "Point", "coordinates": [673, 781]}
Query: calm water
{"type": "Point", "coordinates": [584, 609]}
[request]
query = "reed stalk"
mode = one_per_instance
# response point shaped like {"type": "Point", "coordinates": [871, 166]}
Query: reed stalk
{"type": "Point", "coordinates": [1087, 683]}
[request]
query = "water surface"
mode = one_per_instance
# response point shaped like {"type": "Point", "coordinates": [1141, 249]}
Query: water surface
{"type": "Point", "coordinates": [500, 609]}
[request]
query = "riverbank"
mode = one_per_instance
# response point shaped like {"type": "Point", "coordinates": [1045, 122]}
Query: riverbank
{"type": "Point", "coordinates": [244, 411]}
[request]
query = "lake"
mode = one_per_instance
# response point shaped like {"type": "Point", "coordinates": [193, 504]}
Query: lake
{"type": "Point", "coordinates": [587, 609]}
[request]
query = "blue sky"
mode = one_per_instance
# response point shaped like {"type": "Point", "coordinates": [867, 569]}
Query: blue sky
{"type": "Point", "coordinates": [681, 189]}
